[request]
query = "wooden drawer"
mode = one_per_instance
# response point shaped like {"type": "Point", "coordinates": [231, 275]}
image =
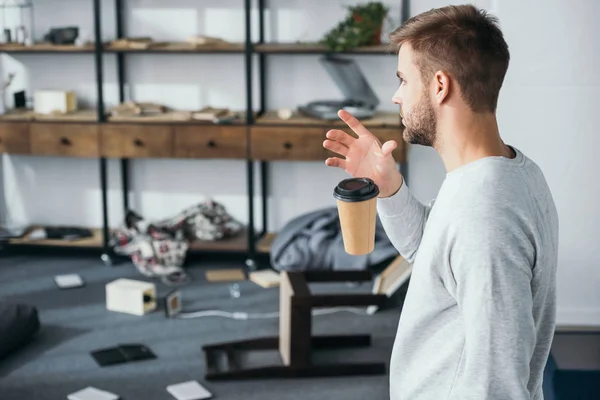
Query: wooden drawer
{"type": "Point", "coordinates": [306, 143]}
{"type": "Point", "coordinates": [288, 143]}
{"type": "Point", "coordinates": [14, 137]}
{"type": "Point", "coordinates": [385, 134]}
{"type": "Point", "coordinates": [209, 141]}
{"type": "Point", "coordinates": [137, 141]}
{"type": "Point", "coordinates": [64, 140]}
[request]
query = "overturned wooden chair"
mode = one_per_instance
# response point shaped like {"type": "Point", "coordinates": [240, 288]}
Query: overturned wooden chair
{"type": "Point", "coordinates": [224, 361]}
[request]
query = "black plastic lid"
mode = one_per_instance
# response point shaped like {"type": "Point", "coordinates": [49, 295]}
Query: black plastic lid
{"type": "Point", "coordinates": [356, 189]}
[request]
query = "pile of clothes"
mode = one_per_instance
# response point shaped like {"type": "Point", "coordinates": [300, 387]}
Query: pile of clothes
{"type": "Point", "coordinates": [313, 241]}
{"type": "Point", "coordinates": [158, 249]}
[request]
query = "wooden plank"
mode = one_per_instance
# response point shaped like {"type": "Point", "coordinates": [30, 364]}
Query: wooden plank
{"type": "Point", "coordinates": [29, 115]}
{"type": "Point", "coordinates": [298, 284]}
{"type": "Point", "coordinates": [266, 278]}
{"type": "Point", "coordinates": [169, 116]}
{"type": "Point", "coordinates": [18, 115]}
{"type": "Point", "coordinates": [77, 116]}
{"type": "Point", "coordinates": [396, 274]}
{"type": "Point", "coordinates": [180, 47]}
{"type": "Point", "coordinates": [264, 244]}
{"type": "Point", "coordinates": [46, 48]}
{"type": "Point", "coordinates": [379, 120]}
{"type": "Point", "coordinates": [225, 275]}
{"type": "Point", "coordinates": [318, 48]}
{"type": "Point", "coordinates": [94, 241]}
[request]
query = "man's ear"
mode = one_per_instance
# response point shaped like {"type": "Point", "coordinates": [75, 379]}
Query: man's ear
{"type": "Point", "coordinates": [441, 82]}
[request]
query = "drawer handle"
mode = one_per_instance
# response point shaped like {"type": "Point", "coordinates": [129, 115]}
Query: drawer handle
{"type": "Point", "coordinates": [212, 143]}
{"type": "Point", "coordinates": [65, 141]}
{"type": "Point", "coordinates": [287, 145]}
{"type": "Point", "coordinates": [138, 143]}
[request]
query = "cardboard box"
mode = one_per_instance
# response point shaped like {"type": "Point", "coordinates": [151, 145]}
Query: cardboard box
{"type": "Point", "coordinates": [54, 102]}
{"type": "Point", "coordinates": [130, 296]}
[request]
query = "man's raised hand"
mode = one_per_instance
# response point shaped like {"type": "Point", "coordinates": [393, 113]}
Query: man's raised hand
{"type": "Point", "coordinates": [364, 156]}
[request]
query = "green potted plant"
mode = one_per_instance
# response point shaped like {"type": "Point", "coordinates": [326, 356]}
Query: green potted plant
{"type": "Point", "coordinates": [361, 27]}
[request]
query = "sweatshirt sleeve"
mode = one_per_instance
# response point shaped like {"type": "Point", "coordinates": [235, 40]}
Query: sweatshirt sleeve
{"type": "Point", "coordinates": [491, 262]}
{"type": "Point", "coordinates": [403, 218]}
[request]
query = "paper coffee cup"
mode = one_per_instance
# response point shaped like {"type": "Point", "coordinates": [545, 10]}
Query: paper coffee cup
{"type": "Point", "coordinates": [357, 209]}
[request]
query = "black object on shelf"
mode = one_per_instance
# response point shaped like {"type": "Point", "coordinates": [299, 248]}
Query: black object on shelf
{"type": "Point", "coordinates": [62, 35]}
{"type": "Point", "coordinates": [67, 233]}
{"type": "Point", "coordinates": [20, 99]}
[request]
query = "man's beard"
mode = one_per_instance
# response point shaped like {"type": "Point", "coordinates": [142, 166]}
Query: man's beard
{"type": "Point", "coordinates": [421, 123]}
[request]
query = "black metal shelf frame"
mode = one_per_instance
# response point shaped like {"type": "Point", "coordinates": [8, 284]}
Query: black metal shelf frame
{"type": "Point", "coordinates": [122, 78]}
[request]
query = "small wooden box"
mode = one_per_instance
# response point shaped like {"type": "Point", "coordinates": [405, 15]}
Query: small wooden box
{"type": "Point", "coordinates": [130, 296]}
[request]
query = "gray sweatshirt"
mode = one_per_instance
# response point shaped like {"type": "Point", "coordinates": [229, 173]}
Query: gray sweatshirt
{"type": "Point", "coordinates": [479, 314]}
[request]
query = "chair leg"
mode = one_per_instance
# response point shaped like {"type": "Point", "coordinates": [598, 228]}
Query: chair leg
{"type": "Point", "coordinates": [313, 371]}
{"type": "Point", "coordinates": [265, 343]}
{"type": "Point", "coordinates": [340, 341]}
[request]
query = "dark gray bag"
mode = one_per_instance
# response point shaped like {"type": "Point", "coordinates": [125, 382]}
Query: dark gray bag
{"type": "Point", "coordinates": [18, 325]}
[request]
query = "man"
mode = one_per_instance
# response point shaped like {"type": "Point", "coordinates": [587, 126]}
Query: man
{"type": "Point", "coordinates": [479, 314]}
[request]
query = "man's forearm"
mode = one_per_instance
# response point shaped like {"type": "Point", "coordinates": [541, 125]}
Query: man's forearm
{"type": "Point", "coordinates": [403, 218]}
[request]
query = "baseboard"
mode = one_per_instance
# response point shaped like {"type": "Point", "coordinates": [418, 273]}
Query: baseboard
{"type": "Point", "coordinates": [586, 317]}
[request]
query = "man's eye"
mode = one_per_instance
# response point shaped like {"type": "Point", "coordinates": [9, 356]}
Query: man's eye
{"type": "Point", "coordinates": [402, 81]}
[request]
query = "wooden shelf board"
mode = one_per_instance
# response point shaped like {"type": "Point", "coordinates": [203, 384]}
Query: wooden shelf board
{"type": "Point", "coordinates": [379, 120]}
{"type": "Point", "coordinates": [17, 115]}
{"type": "Point", "coordinates": [236, 243]}
{"type": "Point", "coordinates": [77, 116]}
{"type": "Point", "coordinates": [46, 48]}
{"type": "Point", "coordinates": [170, 117]}
{"type": "Point", "coordinates": [29, 115]}
{"type": "Point", "coordinates": [264, 244]}
{"type": "Point", "coordinates": [179, 47]}
{"type": "Point", "coordinates": [94, 241]}
{"type": "Point", "coordinates": [316, 48]}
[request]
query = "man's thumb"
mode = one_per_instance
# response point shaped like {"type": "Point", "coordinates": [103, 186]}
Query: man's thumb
{"type": "Point", "coordinates": [388, 147]}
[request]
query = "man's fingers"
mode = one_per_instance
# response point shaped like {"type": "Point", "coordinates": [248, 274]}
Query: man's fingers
{"type": "Point", "coordinates": [336, 147]}
{"type": "Point", "coordinates": [335, 162]}
{"type": "Point", "coordinates": [388, 147]}
{"type": "Point", "coordinates": [340, 136]}
{"type": "Point", "coordinates": [353, 123]}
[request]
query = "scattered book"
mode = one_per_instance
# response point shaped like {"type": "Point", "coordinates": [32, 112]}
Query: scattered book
{"type": "Point", "coordinates": [225, 275]}
{"type": "Point", "coordinates": [391, 279]}
{"type": "Point", "coordinates": [191, 390]}
{"type": "Point", "coordinates": [69, 281]}
{"type": "Point", "coordinates": [266, 278]}
{"type": "Point", "coordinates": [91, 393]}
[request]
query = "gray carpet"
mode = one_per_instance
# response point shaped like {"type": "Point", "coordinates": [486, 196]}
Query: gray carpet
{"type": "Point", "coordinates": [75, 322]}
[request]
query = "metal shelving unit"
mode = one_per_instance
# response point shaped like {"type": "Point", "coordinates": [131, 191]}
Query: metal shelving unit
{"type": "Point", "coordinates": [251, 52]}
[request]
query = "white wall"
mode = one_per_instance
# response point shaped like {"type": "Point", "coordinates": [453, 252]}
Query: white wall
{"type": "Point", "coordinates": [546, 109]}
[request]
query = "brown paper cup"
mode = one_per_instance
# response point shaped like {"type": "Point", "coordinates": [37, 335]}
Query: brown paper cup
{"type": "Point", "coordinates": [357, 208]}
